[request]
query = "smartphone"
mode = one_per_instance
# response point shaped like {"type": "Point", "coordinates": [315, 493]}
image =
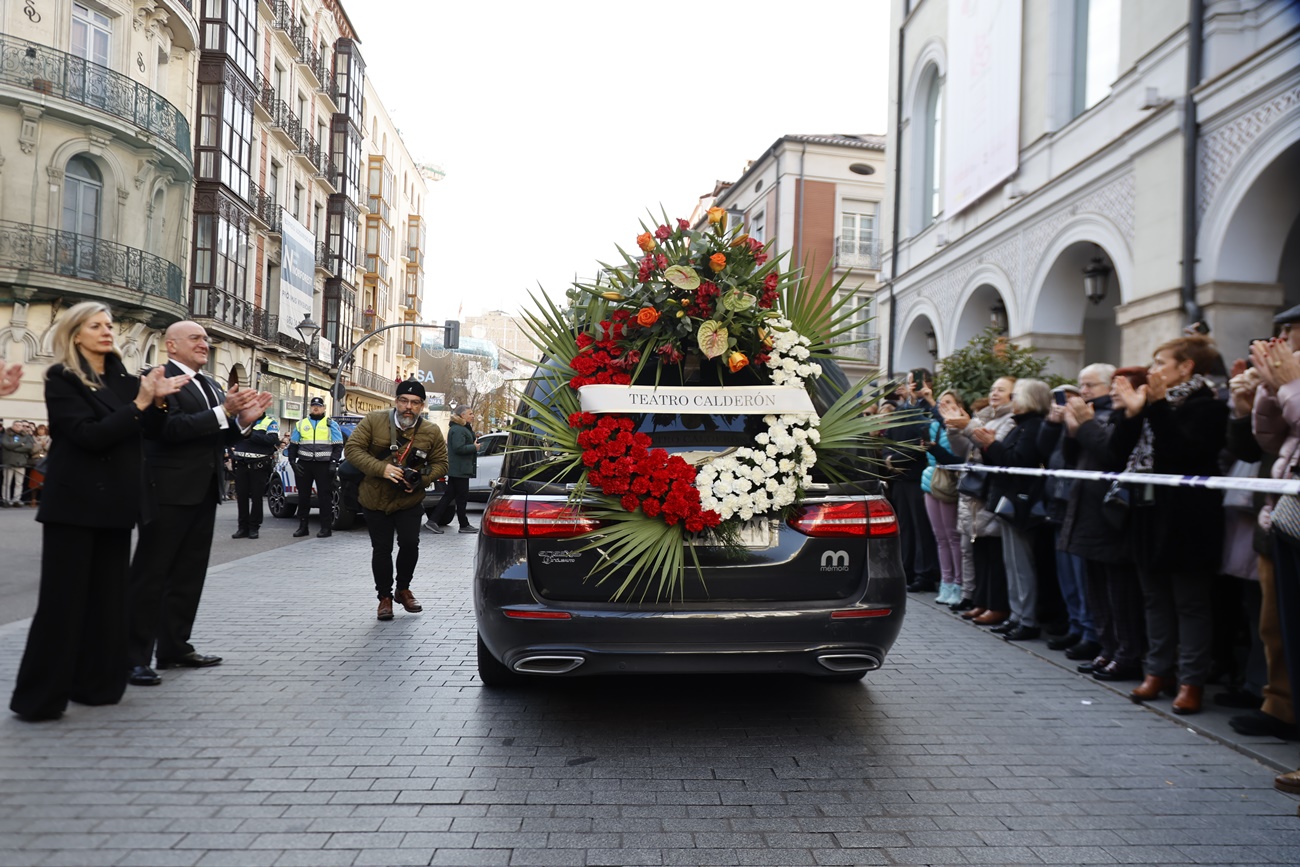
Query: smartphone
{"type": "Point", "coordinates": [1061, 397]}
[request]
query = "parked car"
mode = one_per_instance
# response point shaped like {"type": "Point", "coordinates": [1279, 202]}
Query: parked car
{"type": "Point", "coordinates": [491, 452]}
{"type": "Point", "coordinates": [282, 498]}
{"type": "Point", "coordinates": [820, 594]}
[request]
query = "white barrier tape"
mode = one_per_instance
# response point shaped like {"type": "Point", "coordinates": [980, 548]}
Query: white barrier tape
{"type": "Point", "coordinates": [1219, 483]}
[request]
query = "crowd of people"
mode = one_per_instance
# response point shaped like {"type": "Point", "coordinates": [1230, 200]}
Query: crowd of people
{"type": "Point", "coordinates": [23, 445]}
{"type": "Point", "coordinates": [148, 452]}
{"type": "Point", "coordinates": [1169, 588]}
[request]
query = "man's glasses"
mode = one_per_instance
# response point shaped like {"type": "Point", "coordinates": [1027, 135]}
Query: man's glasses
{"type": "Point", "coordinates": [409, 402]}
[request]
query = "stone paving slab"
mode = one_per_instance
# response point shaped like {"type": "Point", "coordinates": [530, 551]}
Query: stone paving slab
{"type": "Point", "coordinates": [329, 738]}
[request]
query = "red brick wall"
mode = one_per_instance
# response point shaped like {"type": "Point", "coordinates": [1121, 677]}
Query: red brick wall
{"type": "Point", "coordinates": [814, 237]}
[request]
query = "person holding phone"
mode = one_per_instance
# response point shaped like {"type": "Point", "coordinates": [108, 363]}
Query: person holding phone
{"type": "Point", "coordinates": [909, 461]}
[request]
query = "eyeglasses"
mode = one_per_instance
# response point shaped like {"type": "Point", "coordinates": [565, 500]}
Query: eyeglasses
{"type": "Point", "coordinates": [409, 402]}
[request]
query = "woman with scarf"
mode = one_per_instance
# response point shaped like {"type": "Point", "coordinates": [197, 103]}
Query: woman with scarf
{"type": "Point", "coordinates": [1175, 424]}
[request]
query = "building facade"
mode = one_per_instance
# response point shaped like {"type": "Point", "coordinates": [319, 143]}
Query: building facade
{"type": "Point", "coordinates": [1090, 176]}
{"type": "Point", "coordinates": [96, 173]}
{"type": "Point", "coordinates": [293, 196]}
{"type": "Point", "coordinates": [817, 200]}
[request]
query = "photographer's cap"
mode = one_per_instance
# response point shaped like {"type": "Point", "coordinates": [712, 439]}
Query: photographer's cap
{"type": "Point", "coordinates": [1288, 317]}
{"type": "Point", "coordinates": [410, 386]}
{"type": "Point", "coordinates": [317, 401]}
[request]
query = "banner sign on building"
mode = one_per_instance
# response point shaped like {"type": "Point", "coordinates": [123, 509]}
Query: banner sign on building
{"type": "Point", "coordinates": [981, 100]}
{"type": "Point", "coordinates": [297, 274]}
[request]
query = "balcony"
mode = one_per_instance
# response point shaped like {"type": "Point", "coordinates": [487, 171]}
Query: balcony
{"type": "Point", "coordinates": [867, 353]}
{"type": "Point", "coordinates": [283, 22]}
{"type": "Point", "coordinates": [310, 59]}
{"type": "Point", "coordinates": [286, 123]}
{"type": "Point", "coordinates": [413, 249]}
{"type": "Point", "coordinates": [34, 67]}
{"type": "Point", "coordinates": [235, 313]}
{"type": "Point", "coordinates": [371, 321]}
{"type": "Point", "coordinates": [368, 379]}
{"type": "Point", "coordinates": [323, 258]}
{"type": "Point", "coordinates": [26, 247]}
{"type": "Point", "coordinates": [266, 210]}
{"type": "Point", "coordinates": [851, 253]}
{"type": "Point", "coordinates": [413, 298]}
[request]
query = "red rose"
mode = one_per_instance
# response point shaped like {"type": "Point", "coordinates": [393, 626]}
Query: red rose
{"type": "Point", "coordinates": [663, 232]}
{"type": "Point", "coordinates": [682, 224]}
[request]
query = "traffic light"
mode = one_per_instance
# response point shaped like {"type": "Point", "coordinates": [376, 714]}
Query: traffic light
{"type": "Point", "coordinates": [451, 334]}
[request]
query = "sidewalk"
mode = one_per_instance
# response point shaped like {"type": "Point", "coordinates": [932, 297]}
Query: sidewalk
{"type": "Point", "coordinates": [330, 738]}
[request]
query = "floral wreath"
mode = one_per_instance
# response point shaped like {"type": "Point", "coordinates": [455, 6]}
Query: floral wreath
{"type": "Point", "coordinates": [710, 294]}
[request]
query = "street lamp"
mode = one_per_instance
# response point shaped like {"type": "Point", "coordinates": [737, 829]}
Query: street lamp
{"type": "Point", "coordinates": [931, 344]}
{"type": "Point", "coordinates": [307, 330]}
{"type": "Point", "coordinates": [1094, 279]}
{"type": "Point", "coordinates": [998, 317]}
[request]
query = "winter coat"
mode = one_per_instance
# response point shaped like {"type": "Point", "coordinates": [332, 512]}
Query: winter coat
{"type": "Point", "coordinates": [910, 463]}
{"type": "Point", "coordinates": [1019, 448]}
{"type": "Point", "coordinates": [973, 517]}
{"type": "Point", "coordinates": [368, 450]}
{"type": "Point", "coordinates": [17, 447]}
{"type": "Point", "coordinates": [1182, 530]}
{"type": "Point", "coordinates": [1276, 422]}
{"type": "Point", "coordinates": [462, 451]}
{"type": "Point", "coordinates": [1085, 531]}
{"type": "Point", "coordinates": [939, 445]}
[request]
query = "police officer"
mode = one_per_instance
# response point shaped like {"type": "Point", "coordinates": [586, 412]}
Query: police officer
{"type": "Point", "coordinates": [315, 448]}
{"type": "Point", "coordinates": [252, 459]}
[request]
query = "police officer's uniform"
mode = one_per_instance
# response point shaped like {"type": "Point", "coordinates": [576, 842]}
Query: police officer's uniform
{"type": "Point", "coordinates": [315, 448]}
{"type": "Point", "coordinates": [251, 459]}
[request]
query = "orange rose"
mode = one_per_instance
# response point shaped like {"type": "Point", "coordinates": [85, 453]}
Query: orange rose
{"type": "Point", "coordinates": [647, 316]}
{"type": "Point", "coordinates": [646, 242]}
{"type": "Point", "coordinates": [718, 215]}
{"type": "Point", "coordinates": [717, 262]}
{"type": "Point", "coordinates": [736, 362]}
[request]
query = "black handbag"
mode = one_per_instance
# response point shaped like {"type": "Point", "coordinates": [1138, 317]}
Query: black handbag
{"type": "Point", "coordinates": [1022, 511]}
{"type": "Point", "coordinates": [974, 483]}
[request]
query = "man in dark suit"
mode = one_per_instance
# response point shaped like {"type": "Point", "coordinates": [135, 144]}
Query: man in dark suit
{"type": "Point", "coordinates": [184, 458]}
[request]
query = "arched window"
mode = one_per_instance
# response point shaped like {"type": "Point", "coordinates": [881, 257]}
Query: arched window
{"type": "Point", "coordinates": [83, 187]}
{"type": "Point", "coordinates": [932, 155]}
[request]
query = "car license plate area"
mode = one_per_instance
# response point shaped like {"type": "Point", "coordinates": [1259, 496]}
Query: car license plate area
{"type": "Point", "coordinates": [759, 534]}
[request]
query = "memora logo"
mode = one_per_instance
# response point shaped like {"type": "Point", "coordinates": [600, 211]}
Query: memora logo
{"type": "Point", "coordinates": [835, 561]}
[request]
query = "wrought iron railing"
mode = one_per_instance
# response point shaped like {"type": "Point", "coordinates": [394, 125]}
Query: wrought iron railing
{"type": "Point", "coordinates": [264, 207]}
{"type": "Point", "coordinates": [51, 251]}
{"type": "Point", "coordinates": [220, 306]}
{"type": "Point", "coordinates": [322, 255]}
{"type": "Point", "coordinates": [369, 379]}
{"type": "Point", "coordinates": [868, 352]}
{"type": "Point", "coordinates": [282, 19]}
{"type": "Point", "coordinates": [852, 253]}
{"type": "Point", "coordinates": [66, 76]}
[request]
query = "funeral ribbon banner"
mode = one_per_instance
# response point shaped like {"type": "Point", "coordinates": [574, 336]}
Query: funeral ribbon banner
{"type": "Point", "coordinates": [732, 400]}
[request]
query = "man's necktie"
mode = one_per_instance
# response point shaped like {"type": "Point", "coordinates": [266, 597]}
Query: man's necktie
{"type": "Point", "coordinates": [207, 390]}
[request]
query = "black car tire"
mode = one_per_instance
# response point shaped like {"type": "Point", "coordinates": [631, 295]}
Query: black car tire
{"type": "Point", "coordinates": [276, 503]}
{"type": "Point", "coordinates": [344, 518]}
{"type": "Point", "coordinates": [492, 672]}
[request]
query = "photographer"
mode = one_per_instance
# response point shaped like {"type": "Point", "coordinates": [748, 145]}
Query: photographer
{"type": "Point", "coordinates": [400, 454]}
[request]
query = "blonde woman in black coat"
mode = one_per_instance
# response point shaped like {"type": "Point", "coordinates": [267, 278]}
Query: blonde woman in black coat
{"type": "Point", "coordinates": [76, 648]}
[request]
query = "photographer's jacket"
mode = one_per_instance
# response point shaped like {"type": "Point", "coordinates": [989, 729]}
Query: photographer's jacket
{"type": "Point", "coordinates": [369, 449]}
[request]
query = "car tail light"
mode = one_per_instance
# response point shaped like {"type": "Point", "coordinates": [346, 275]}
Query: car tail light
{"type": "Point", "coordinates": [871, 516]}
{"type": "Point", "coordinates": [520, 517]}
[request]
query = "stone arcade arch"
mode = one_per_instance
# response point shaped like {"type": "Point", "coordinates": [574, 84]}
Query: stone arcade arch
{"type": "Point", "coordinates": [986, 289]}
{"type": "Point", "coordinates": [913, 348]}
{"type": "Point", "coordinates": [1065, 326]}
{"type": "Point", "coordinates": [1249, 240]}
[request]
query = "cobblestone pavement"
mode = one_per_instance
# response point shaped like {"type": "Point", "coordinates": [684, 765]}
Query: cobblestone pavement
{"type": "Point", "coordinates": [328, 738]}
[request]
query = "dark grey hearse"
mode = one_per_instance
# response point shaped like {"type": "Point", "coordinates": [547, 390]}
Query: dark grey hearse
{"type": "Point", "coordinates": [821, 594]}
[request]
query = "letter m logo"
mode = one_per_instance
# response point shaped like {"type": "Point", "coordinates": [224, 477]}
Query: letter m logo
{"type": "Point", "coordinates": [835, 559]}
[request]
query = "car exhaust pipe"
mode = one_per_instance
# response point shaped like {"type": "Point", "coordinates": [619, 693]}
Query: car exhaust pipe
{"type": "Point", "coordinates": [547, 664]}
{"type": "Point", "coordinates": [846, 662]}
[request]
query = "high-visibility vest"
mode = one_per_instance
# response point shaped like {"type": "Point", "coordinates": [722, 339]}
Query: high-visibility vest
{"type": "Point", "coordinates": [316, 439]}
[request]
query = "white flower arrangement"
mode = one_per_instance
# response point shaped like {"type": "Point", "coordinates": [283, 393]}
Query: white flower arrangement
{"type": "Point", "coordinates": [757, 481]}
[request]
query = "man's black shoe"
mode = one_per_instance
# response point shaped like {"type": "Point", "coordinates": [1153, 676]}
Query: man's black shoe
{"type": "Point", "coordinates": [1066, 641]}
{"type": "Point", "coordinates": [921, 587]}
{"type": "Point", "coordinates": [1239, 698]}
{"type": "Point", "coordinates": [241, 533]}
{"type": "Point", "coordinates": [1116, 672]}
{"type": "Point", "coordinates": [252, 534]}
{"type": "Point", "coordinates": [301, 531]}
{"type": "Point", "coordinates": [325, 533]}
{"type": "Point", "coordinates": [1022, 633]}
{"type": "Point", "coordinates": [143, 675]}
{"type": "Point", "coordinates": [1083, 650]}
{"type": "Point", "coordinates": [1260, 724]}
{"type": "Point", "coordinates": [193, 659]}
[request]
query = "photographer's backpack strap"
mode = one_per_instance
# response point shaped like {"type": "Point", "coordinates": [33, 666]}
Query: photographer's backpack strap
{"type": "Point", "coordinates": [393, 443]}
